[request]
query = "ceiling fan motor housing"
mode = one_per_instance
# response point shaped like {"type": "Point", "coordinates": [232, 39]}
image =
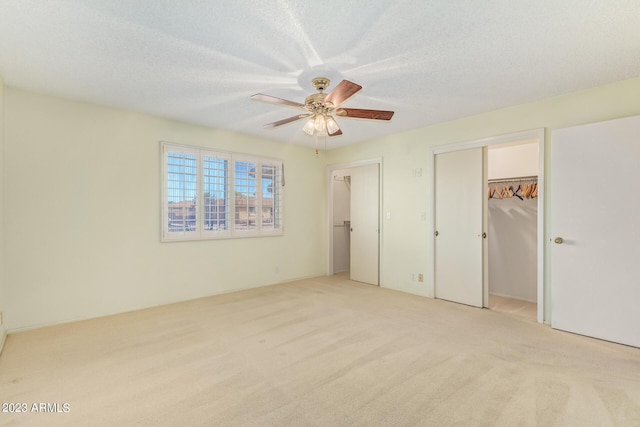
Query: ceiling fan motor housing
{"type": "Point", "coordinates": [321, 83]}
{"type": "Point", "coordinates": [315, 102]}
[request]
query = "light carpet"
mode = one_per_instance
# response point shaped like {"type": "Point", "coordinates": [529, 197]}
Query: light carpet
{"type": "Point", "coordinates": [317, 352]}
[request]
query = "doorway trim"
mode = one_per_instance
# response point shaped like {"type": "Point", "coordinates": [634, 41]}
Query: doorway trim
{"type": "Point", "coordinates": [329, 176]}
{"type": "Point", "coordinates": [538, 134]}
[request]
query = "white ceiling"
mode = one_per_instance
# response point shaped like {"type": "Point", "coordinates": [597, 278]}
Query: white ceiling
{"type": "Point", "coordinates": [429, 61]}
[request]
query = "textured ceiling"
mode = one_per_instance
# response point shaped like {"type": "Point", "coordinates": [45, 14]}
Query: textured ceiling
{"type": "Point", "coordinates": [430, 61]}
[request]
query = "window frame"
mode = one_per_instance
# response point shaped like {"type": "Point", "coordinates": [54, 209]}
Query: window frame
{"type": "Point", "coordinates": [255, 182]}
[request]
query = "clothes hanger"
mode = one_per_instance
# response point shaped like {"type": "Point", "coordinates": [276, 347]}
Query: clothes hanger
{"type": "Point", "coordinates": [492, 193]}
{"type": "Point", "coordinates": [505, 192]}
{"type": "Point", "coordinates": [515, 192]}
{"type": "Point", "coordinates": [496, 192]}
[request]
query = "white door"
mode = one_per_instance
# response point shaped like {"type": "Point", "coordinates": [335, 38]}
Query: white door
{"type": "Point", "coordinates": [364, 224]}
{"type": "Point", "coordinates": [595, 230]}
{"type": "Point", "coordinates": [459, 197]}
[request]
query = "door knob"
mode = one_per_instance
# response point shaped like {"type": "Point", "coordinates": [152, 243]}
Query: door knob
{"type": "Point", "coordinates": [558, 240]}
{"type": "Point", "coordinates": [436, 233]}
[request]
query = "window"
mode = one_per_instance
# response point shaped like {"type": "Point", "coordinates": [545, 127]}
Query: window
{"type": "Point", "coordinates": [210, 195]}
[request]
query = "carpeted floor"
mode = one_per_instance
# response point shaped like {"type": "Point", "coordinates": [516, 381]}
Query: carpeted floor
{"type": "Point", "coordinates": [317, 352]}
{"type": "Point", "coordinates": [516, 307]}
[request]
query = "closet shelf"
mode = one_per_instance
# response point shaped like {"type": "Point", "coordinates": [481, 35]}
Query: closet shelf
{"type": "Point", "coordinates": [515, 179]}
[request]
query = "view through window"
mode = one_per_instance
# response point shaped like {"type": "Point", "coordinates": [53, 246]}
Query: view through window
{"type": "Point", "coordinates": [209, 194]}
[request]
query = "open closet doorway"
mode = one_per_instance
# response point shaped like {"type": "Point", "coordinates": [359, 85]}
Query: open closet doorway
{"type": "Point", "coordinates": [512, 227]}
{"type": "Point", "coordinates": [461, 192]}
{"type": "Point", "coordinates": [354, 221]}
{"type": "Point", "coordinates": [341, 224]}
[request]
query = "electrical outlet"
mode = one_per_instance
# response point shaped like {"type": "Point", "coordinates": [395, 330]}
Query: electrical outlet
{"type": "Point", "coordinates": [420, 277]}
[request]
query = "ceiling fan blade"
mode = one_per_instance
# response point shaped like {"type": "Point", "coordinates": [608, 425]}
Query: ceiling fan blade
{"type": "Point", "coordinates": [359, 113]}
{"type": "Point", "coordinates": [342, 92]}
{"type": "Point", "coordinates": [285, 121]}
{"type": "Point", "coordinates": [273, 100]}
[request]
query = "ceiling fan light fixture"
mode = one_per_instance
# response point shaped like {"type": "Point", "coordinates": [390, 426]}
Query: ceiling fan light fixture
{"type": "Point", "coordinates": [309, 127]}
{"type": "Point", "coordinates": [332, 126]}
{"type": "Point", "coordinates": [319, 123]}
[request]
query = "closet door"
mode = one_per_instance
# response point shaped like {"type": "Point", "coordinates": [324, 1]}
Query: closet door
{"type": "Point", "coordinates": [365, 207]}
{"type": "Point", "coordinates": [594, 205]}
{"type": "Point", "coordinates": [460, 192]}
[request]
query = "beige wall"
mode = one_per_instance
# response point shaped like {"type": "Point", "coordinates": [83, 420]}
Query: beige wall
{"type": "Point", "coordinates": [513, 161]}
{"type": "Point", "coordinates": [82, 200]}
{"type": "Point", "coordinates": [405, 237]}
{"type": "Point", "coordinates": [82, 208]}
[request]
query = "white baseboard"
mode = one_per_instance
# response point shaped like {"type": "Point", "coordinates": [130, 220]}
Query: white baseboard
{"type": "Point", "coordinates": [131, 309]}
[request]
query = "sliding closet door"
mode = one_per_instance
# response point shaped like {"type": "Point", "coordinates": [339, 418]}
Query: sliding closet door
{"type": "Point", "coordinates": [594, 205]}
{"type": "Point", "coordinates": [460, 192]}
{"type": "Point", "coordinates": [365, 225]}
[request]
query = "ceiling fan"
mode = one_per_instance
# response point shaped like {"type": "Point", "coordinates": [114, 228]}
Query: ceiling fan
{"type": "Point", "coordinates": [321, 107]}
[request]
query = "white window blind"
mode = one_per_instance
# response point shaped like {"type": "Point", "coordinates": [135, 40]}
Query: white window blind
{"type": "Point", "coordinates": [181, 195]}
{"type": "Point", "coordinates": [215, 173]}
{"type": "Point", "coordinates": [246, 197]}
{"type": "Point", "coordinates": [209, 194]}
{"type": "Point", "coordinates": [271, 197]}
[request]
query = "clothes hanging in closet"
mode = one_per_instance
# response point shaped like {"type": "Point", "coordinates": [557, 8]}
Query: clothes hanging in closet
{"type": "Point", "coordinates": [507, 188]}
